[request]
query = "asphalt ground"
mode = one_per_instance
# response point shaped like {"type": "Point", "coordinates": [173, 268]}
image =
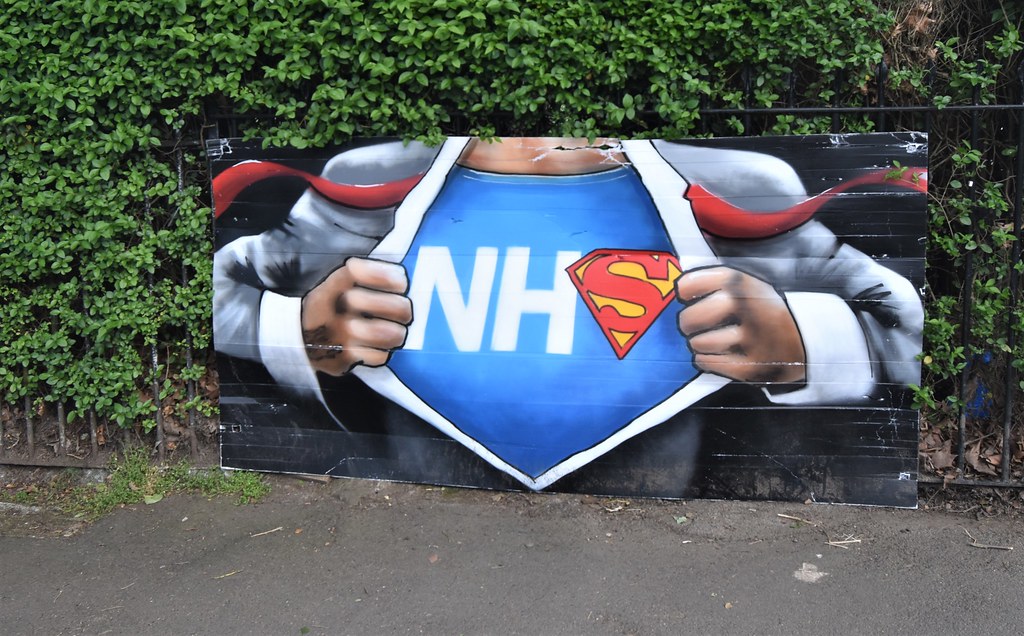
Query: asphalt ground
{"type": "Point", "coordinates": [364, 557]}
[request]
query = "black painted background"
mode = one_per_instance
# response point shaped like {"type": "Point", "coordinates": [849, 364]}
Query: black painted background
{"type": "Point", "coordinates": [733, 444]}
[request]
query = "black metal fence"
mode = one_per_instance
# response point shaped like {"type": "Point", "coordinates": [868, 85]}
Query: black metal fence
{"type": "Point", "coordinates": [992, 123]}
{"type": "Point", "coordinates": [989, 121]}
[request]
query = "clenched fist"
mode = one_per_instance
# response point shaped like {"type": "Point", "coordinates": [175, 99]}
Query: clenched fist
{"type": "Point", "coordinates": [357, 315]}
{"type": "Point", "coordinates": [738, 326]}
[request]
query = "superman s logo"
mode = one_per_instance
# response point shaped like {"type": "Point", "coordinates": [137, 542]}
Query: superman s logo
{"type": "Point", "coordinates": [626, 291]}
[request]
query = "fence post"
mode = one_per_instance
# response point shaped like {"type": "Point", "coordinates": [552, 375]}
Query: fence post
{"type": "Point", "coordinates": [30, 433]}
{"type": "Point", "coordinates": [931, 97]}
{"type": "Point", "coordinates": [93, 442]}
{"type": "Point", "coordinates": [155, 362]}
{"type": "Point", "coordinates": [702, 107]}
{"type": "Point", "coordinates": [837, 85]}
{"type": "Point", "coordinates": [1010, 377]}
{"type": "Point", "coordinates": [967, 301]}
{"type": "Point", "coordinates": [882, 74]}
{"type": "Point", "coordinates": [190, 384]}
{"type": "Point", "coordinates": [747, 92]}
{"type": "Point", "coordinates": [62, 438]}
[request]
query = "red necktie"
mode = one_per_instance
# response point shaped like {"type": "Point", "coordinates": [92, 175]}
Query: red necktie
{"type": "Point", "coordinates": [230, 183]}
{"type": "Point", "coordinates": [720, 218]}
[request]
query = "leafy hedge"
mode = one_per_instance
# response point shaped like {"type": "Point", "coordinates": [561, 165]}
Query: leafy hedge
{"type": "Point", "coordinates": [105, 244]}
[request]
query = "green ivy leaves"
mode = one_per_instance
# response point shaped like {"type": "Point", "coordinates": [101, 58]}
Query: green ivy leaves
{"type": "Point", "coordinates": [95, 95]}
{"type": "Point", "coordinates": [90, 208]}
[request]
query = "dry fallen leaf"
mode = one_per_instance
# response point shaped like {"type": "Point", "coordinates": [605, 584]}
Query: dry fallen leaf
{"type": "Point", "coordinates": [973, 457]}
{"type": "Point", "coordinates": [943, 458]}
{"type": "Point", "coordinates": [433, 558]}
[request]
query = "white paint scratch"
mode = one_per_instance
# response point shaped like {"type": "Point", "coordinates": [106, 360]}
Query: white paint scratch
{"type": "Point", "coordinates": [809, 573]}
{"type": "Point", "coordinates": [224, 148]}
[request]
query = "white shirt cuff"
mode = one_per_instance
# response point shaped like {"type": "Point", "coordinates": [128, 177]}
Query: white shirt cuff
{"type": "Point", "coordinates": [282, 348]}
{"type": "Point", "coordinates": [838, 361]}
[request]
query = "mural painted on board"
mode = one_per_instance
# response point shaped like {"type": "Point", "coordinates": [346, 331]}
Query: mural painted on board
{"type": "Point", "coordinates": [539, 312]}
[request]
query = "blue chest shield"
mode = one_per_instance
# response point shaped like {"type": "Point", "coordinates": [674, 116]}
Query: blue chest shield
{"type": "Point", "coordinates": [503, 345]}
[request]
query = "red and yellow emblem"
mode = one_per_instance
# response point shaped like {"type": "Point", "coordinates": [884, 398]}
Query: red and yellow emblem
{"type": "Point", "coordinates": [626, 291]}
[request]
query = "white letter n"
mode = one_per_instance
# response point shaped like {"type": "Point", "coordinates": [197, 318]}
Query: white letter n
{"type": "Point", "coordinates": [466, 318]}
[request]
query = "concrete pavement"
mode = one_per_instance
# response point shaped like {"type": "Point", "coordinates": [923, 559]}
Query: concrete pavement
{"type": "Point", "coordinates": [361, 557]}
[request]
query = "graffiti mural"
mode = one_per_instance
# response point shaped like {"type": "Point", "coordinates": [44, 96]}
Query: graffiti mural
{"type": "Point", "coordinates": [724, 318]}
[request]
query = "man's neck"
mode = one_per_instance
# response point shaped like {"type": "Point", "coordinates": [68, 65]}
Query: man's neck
{"type": "Point", "coordinates": [542, 155]}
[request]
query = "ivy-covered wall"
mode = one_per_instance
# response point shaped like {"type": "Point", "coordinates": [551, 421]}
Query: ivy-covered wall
{"type": "Point", "coordinates": [105, 241]}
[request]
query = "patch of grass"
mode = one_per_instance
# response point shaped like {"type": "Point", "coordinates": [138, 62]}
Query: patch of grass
{"type": "Point", "coordinates": [250, 487]}
{"type": "Point", "coordinates": [22, 497]}
{"type": "Point", "coordinates": [134, 479]}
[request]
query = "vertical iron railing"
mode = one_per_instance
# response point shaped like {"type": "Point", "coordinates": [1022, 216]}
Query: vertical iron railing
{"type": "Point", "coordinates": [976, 113]}
{"type": "Point", "coordinates": [1010, 377]}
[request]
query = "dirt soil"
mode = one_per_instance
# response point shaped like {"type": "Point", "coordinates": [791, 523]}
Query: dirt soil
{"type": "Point", "coordinates": [49, 521]}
